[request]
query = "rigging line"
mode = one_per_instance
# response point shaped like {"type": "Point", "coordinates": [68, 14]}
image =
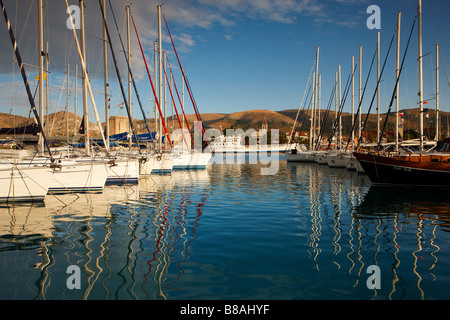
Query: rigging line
{"type": "Point", "coordinates": [443, 62]}
{"type": "Point", "coordinates": [131, 74]}
{"type": "Point", "coordinates": [150, 78]}
{"type": "Point", "coordinates": [301, 103]}
{"type": "Point", "coordinates": [25, 80]}
{"type": "Point", "coordinates": [376, 87]}
{"type": "Point", "coordinates": [362, 96]}
{"type": "Point", "coordinates": [119, 78]}
{"type": "Point", "coordinates": [175, 107]}
{"type": "Point", "coordinates": [395, 88]}
{"type": "Point", "coordinates": [181, 103]}
{"type": "Point", "coordinates": [184, 76]}
{"type": "Point", "coordinates": [305, 112]}
{"type": "Point", "coordinates": [325, 118]}
{"type": "Point", "coordinates": [339, 113]}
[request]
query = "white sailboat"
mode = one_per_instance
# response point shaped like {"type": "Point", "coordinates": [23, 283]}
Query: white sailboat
{"type": "Point", "coordinates": [24, 183]}
{"type": "Point", "coordinates": [300, 153]}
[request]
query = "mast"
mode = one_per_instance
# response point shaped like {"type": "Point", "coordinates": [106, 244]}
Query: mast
{"type": "Point", "coordinates": [105, 67]}
{"type": "Point", "coordinates": [182, 104]}
{"type": "Point", "coordinates": [160, 66]}
{"type": "Point", "coordinates": [165, 95]}
{"type": "Point", "coordinates": [67, 103]}
{"type": "Point", "coordinates": [75, 102]}
{"type": "Point", "coordinates": [319, 93]}
{"type": "Point", "coordinates": [47, 66]}
{"type": "Point", "coordinates": [41, 74]}
{"type": "Point", "coordinates": [335, 104]}
{"type": "Point", "coordinates": [340, 107]}
{"type": "Point", "coordinates": [155, 52]}
{"type": "Point", "coordinates": [360, 95]}
{"type": "Point", "coordinates": [397, 103]}
{"type": "Point", "coordinates": [419, 11]}
{"type": "Point", "coordinates": [129, 62]}
{"type": "Point", "coordinates": [312, 130]}
{"type": "Point", "coordinates": [353, 100]}
{"type": "Point", "coordinates": [378, 84]}
{"type": "Point", "coordinates": [84, 82]}
{"type": "Point", "coordinates": [316, 95]}
{"type": "Point", "coordinates": [438, 122]}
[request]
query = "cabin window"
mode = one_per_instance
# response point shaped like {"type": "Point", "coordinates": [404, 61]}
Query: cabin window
{"type": "Point", "coordinates": [445, 147]}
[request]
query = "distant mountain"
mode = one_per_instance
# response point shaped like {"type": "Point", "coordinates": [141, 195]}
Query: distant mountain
{"type": "Point", "coordinates": [252, 119]}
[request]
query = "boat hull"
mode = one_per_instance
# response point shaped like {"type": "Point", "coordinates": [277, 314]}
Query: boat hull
{"type": "Point", "coordinates": [79, 177]}
{"type": "Point", "coordinates": [339, 160]}
{"type": "Point", "coordinates": [300, 156]}
{"type": "Point", "coordinates": [24, 183]}
{"type": "Point", "coordinates": [121, 172]}
{"type": "Point", "coordinates": [191, 161]}
{"type": "Point", "coordinates": [386, 170]}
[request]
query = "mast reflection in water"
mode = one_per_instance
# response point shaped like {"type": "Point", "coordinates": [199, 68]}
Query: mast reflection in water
{"type": "Point", "coordinates": [228, 232]}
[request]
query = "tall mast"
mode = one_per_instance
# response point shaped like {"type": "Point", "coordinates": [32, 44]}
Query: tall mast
{"type": "Point", "coordinates": [67, 102]}
{"type": "Point", "coordinates": [316, 95]}
{"type": "Point", "coordinates": [312, 130]}
{"type": "Point", "coordinates": [359, 95]}
{"type": "Point", "coordinates": [160, 66]}
{"type": "Point", "coordinates": [165, 96]}
{"type": "Point", "coordinates": [378, 84]}
{"type": "Point", "coordinates": [75, 102]}
{"type": "Point", "coordinates": [129, 62]}
{"type": "Point", "coordinates": [182, 103]}
{"type": "Point", "coordinates": [336, 99]}
{"type": "Point", "coordinates": [105, 66]}
{"type": "Point", "coordinates": [438, 122]}
{"type": "Point", "coordinates": [397, 102]}
{"type": "Point", "coordinates": [419, 11]}
{"type": "Point", "coordinates": [155, 48]}
{"type": "Point", "coordinates": [353, 100]}
{"type": "Point", "coordinates": [47, 66]}
{"type": "Point", "coordinates": [84, 82]}
{"type": "Point", "coordinates": [340, 114]}
{"type": "Point", "coordinates": [41, 74]}
{"type": "Point", "coordinates": [319, 93]}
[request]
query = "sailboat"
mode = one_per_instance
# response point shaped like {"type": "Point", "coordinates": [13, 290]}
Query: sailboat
{"type": "Point", "coordinates": [412, 169]}
{"type": "Point", "coordinates": [300, 153]}
{"type": "Point", "coordinates": [20, 182]}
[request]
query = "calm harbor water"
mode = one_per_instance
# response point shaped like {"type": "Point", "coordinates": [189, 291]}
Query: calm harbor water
{"type": "Point", "coordinates": [228, 232]}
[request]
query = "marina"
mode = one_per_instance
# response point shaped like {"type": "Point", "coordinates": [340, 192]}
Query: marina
{"type": "Point", "coordinates": [226, 233]}
{"type": "Point", "coordinates": [150, 201]}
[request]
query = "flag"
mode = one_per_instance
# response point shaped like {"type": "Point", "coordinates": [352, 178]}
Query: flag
{"type": "Point", "coordinates": [427, 115]}
{"type": "Point", "coordinates": [44, 77]}
{"type": "Point", "coordinates": [425, 110]}
{"type": "Point", "coordinates": [401, 114]}
{"type": "Point", "coordinates": [425, 102]}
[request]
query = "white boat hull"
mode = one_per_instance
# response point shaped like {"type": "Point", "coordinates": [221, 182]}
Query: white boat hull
{"type": "Point", "coordinates": [156, 164]}
{"type": "Point", "coordinates": [79, 177]}
{"type": "Point", "coordinates": [24, 183]}
{"type": "Point", "coordinates": [339, 160]}
{"type": "Point", "coordinates": [122, 171]}
{"type": "Point", "coordinates": [299, 156]}
{"type": "Point", "coordinates": [188, 160]}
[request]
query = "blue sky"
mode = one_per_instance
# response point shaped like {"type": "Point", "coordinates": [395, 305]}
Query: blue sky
{"type": "Point", "coordinates": [238, 55]}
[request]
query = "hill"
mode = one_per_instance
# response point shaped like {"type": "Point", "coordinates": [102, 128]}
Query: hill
{"type": "Point", "coordinates": [282, 120]}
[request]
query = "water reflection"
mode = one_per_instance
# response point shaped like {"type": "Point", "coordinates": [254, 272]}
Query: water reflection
{"type": "Point", "coordinates": [402, 231]}
{"type": "Point", "coordinates": [229, 232]}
